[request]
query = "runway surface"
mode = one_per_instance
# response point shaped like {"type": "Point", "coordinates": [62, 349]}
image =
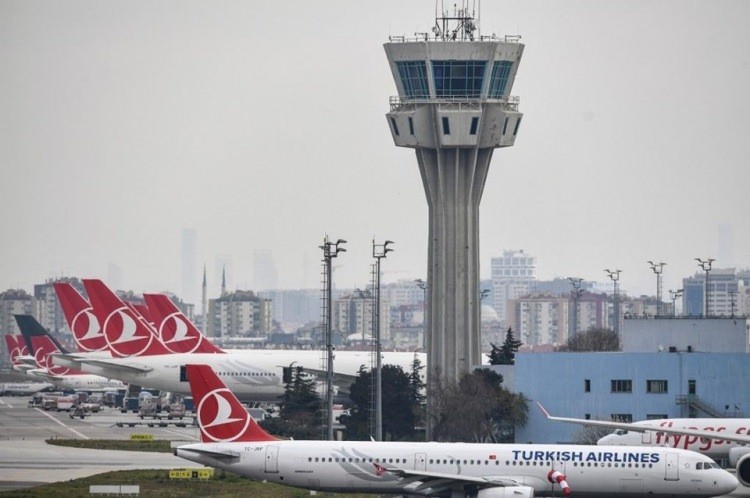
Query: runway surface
{"type": "Point", "coordinates": [26, 460]}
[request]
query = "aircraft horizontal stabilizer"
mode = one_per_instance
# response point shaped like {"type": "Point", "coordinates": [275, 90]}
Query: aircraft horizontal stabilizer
{"type": "Point", "coordinates": [222, 455]}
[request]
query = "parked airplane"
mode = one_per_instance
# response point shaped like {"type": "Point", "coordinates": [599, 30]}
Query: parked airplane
{"type": "Point", "coordinates": [174, 329]}
{"type": "Point", "coordinates": [17, 352]}
{"type": "Point", "coordinates": [256, 375]}
{"type": "Point", "coordinates": [42, 345]}
{"type": "Point", "coordinates": [231, 440]}
{"type": "Point", "coordinates": [163, 319]}
{"type": "Point", "coordinates": [714, 437]}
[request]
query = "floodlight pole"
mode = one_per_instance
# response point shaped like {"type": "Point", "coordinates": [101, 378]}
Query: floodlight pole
{"type": "Point", "coordinates": [330, 251]}
{"type": "Point", "coordinates": [378, 252]}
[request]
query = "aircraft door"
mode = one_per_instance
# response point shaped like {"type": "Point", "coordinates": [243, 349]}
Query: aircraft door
{"type": "Point", "coordinates": [420, 461]}
{"type": "Point", "coordinates": [646, 437]}
{"type": "Point", "coordinates": [672, 467]}
{"type": "Point", "coordinates": [272, 459]}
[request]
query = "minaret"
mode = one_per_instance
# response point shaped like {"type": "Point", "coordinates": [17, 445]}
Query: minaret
{"type": "Point", "coordinates": [223, 280]}
{"type": "Point", "coordinates": [204, 301]}
{"type": "Point", "coordinates": [454, 109]}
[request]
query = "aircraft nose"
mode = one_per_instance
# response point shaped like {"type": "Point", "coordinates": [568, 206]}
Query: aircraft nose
{"type": "Point", "coordinates": [726, 483]}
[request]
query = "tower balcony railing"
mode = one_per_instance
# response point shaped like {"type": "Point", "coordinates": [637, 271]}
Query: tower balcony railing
{"type": "Point", "coordinates": [397, 103]}
{"type": "Point", "coordinates": [431, 37]}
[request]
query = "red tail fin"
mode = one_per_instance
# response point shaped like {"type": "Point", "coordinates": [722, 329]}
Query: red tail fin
{"type": "Point", "coordinates": [220, 414]}
{"type": "Point", "coordinates": [43, 348]}
{"type": "Point", "coordinates": [127, 334]}
{"type": "Point", "coordinates": [175, 330]}
{"type": "Point", "coordinates": [81, 319]}
{"type": "Point", "coordinates": [14, 351]}
{"type": "Point", "coordinates": [145, 312]}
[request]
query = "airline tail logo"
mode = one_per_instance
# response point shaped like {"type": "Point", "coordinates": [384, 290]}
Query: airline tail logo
{"type": "Point", "coordinates": [14, 348]}
{"type": "Point", "coordinates": [174, 333]}
{"type": "Point", "coordinates": [87, 332]}
{"type": "Point", "coordinates": [43, 348]}
{"type": "Point", "coordinates": [219, 417]}
{"type": "Point", "coordinates": [123, 334]}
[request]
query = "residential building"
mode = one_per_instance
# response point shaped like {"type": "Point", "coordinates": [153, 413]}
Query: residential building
{"type": "Point", "coordinates": [513, 275]}
{"type": "Point", "coordinates": [239, 314]}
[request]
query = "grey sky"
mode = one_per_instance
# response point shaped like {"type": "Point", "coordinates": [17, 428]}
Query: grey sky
{"type": "Point", "coordinates": [261, 126]}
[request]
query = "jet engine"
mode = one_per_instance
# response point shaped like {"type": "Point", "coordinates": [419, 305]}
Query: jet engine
{"type": "Point", "coordinates": [739, 458]}
{"type": "Point", "coordinates": [506, 492]}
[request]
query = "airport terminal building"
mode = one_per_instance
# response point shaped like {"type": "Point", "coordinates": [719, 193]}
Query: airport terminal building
{"type": "Point", "coordinates": [680, 368]}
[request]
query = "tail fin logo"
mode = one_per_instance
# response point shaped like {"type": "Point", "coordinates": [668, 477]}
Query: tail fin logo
{"type": "Point", "coordinates": [14, 350]}
{"type": "Point", "coordinates": [217, 419]}
{"type": "Point", "coordinates": [175, 332]}
{"type": "Point", "coordinates": [43, 348]}
{"type": "Point", "coordinates": [123, 335]}
{"type": "Point", "coordinates": [87, 332]}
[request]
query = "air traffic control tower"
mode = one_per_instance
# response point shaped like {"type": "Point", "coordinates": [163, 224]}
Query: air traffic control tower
{"type": "Point", "coordinates": [454, 109]}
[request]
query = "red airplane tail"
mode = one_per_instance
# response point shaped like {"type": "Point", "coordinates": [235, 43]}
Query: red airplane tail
{"type": "Point", "coordinates": [41, 345]}
{"type": "Point", "coordinates": [80, 318]}
{"type": "Point", "coordinates": [221, 416]}
{"type": "Point", "coordinates": [14, 349]}
{"type": "Point", "coordinates": [126, 332]}
{"type": "Point", "coordinates": [175, 330]}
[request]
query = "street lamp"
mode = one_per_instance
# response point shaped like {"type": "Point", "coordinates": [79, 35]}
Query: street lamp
{"type": "Point", "coordinates": [614, 275]}
{"type": "Point", "coordinates": [330, 251]}
{"type": "Point", "coordinates": [705, 264]}
{"type": "Point", "coordinates": [576, 293]}
{"type": "Point", "coordinates": [675, 294]}
{"type": "Point", "coordinates": [379, 251]}
{"type": "Point", "coordinates": [658, 268]}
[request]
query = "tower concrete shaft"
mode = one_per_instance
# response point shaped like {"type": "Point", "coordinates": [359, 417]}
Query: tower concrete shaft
{"type": "Point", "coordinates": [454, 109]}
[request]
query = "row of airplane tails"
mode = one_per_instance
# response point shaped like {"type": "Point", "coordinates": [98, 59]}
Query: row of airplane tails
{"type": "Point", "coordinates": [150, 346]}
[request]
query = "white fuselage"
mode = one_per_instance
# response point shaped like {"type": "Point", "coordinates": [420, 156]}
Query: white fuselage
{"type": "Point", "coordinates": [715, 448]}
{"type": "Point", "coordinates": [251, 374]}
{"type": "Point", "coordinates": [342, 466]}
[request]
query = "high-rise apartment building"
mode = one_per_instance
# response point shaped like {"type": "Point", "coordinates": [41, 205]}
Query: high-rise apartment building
{"type": "Point", "coordinates": [513, 275]}
{"type": "Point", "coordinates": [239, 314]}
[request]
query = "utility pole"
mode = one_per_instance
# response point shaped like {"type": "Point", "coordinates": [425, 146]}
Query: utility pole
{"type": "Point", "coordinates": [658, 268]}
{"type": "Point", "coordinates": [705, 264]}
{"type": "Point", "coordinates": [330, 251]}
{"type": "Point", "coordinates": [614, 275]}
{"type": "Point", "coordinates": [576, 293]}
{"type": "Point", "coordinates": [378, 252]}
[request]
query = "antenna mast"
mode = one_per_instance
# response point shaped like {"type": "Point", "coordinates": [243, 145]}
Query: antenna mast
{"type": "Point", "coordinates": [459, 26]}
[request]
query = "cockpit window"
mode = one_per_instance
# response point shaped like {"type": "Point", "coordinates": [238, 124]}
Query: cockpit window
{"type": "Point", "coordinates": [621, 432]}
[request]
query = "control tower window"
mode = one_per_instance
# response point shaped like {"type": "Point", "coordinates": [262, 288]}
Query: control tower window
{"type": "Point", "coordinates": [458, 78]}
{"type": "Point", "coordinates": [414, 78]}
{"type": "Point", "coordinates": [500, 73]}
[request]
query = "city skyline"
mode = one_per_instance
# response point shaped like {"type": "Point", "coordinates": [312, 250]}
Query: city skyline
{"type": "Point", "coordinates": [128, 123]}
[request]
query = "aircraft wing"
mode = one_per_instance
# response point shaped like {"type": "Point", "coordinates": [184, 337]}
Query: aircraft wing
{"type": "Point", "coordinates": [119, 365]}
{"type": "Point", "coordinates": [724, 436]}
{"type": "Point", "coordinates": [438, 482]}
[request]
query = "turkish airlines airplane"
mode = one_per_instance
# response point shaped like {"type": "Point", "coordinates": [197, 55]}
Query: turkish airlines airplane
{"type": "Point", "coordinates": [42, 346]}
{"type": "Point", "coordinates": [714, 437]}
{"type": "Point", "coordinates": [18, 352]}
{"type": "Point", "coordinates": [231, 440]}
{"type": "Point", "coordinates": [138, 355]}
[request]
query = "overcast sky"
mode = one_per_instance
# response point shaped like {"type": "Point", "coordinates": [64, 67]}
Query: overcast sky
{"type": "Point", "coordinates": [261, 126]}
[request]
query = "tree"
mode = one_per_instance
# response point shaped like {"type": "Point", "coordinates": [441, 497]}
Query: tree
{"type": "Point", "coordinates": [505, 354]}
{"type": "Point", "coordinates": [417, 392]}
{"type": "Point", "coordinates": [300, 405]}
{"type": "Point", "coordinates": [594, 339]}
{"type": "Point", "coordinates": [398, 405]}
{"type": "Point", "coordinates": [478, 409]}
